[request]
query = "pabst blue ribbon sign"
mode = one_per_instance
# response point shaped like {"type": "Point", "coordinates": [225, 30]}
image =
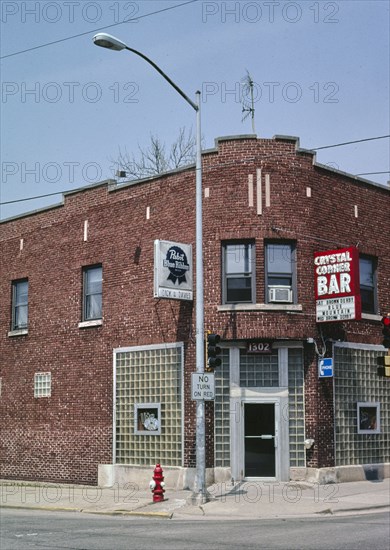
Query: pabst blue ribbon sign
{"type": "Point", "coordinates": [337, 288]}
{"type": "Point", "coordinates": [173, 271]}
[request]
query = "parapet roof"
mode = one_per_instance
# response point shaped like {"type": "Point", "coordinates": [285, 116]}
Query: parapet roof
{"type": "Point", "coordinates": [113, 184]}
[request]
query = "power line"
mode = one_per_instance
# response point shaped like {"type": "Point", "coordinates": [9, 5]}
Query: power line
{"type": "Point", "coordinates": [371, 173]}
{"type": "Point", "coordinates": [100, 29]}
{"type": "Point", "coordinates": [347, 143]}
{"type": "Point", "coordinates": [42, 196]}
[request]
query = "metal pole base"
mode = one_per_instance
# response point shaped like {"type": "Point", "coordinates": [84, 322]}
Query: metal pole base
{"type": "Point", "coordinates": [197, 499]}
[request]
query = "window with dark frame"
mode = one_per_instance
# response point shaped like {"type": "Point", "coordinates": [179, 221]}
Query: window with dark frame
{"type": "Point", "coordinates": [368, 418]}
{"type": "Point", "coordinates": [367, 273]}
{"type": "Point", "coordinates": [238, 281]}
{"type": "Point", "coordinates": [92, 292]}
{"type": "Point", "coordinates": [20, 304]}
{"type": "Point", "coordinates": [280, 274]}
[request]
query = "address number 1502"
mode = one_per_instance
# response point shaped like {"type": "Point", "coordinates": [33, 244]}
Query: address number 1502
{"type": "Point", "coordinates": [259, 347]}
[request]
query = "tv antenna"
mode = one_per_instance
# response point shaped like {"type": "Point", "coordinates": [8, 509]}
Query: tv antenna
{"type": "Point", "coordinates": [248, 107]}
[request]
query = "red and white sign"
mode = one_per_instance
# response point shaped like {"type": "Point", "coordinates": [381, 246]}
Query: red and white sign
{"type": "Point", "coordinates": [337, 287]}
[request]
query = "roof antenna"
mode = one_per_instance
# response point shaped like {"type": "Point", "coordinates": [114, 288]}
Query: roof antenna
{"type": "Point", "coordinates": [247, 92]}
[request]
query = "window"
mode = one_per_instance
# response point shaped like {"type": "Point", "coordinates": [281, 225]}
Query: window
{"type": "Point", "coordinates": [42, 384]}
{"type": "Point", "coordinates": [20, 305]}
{"type": "Point", "coordinates": [238, 284]}
{"type": "Point", "coordinates": [149, 387]}
{"type": "Point", "coordinates": [280, 272]}
{"type": "Point", "coordinates": [92, 299]}
{"type": "Point", "coordinates": [147, 419]}
{"type": "Point", "coordinates": [367, 270]}
{"type": "Point", "coordinates": [368, 417]}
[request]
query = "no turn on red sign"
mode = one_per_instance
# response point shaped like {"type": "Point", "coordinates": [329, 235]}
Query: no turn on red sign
{"type": "Point", "coordinates": [202, 386]}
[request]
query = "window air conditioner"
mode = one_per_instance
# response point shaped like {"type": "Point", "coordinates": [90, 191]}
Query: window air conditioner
{"type": "Point", "coordinates": [280, 294]}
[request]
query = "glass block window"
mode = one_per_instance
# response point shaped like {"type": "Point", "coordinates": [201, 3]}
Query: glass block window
{"type": "Point", "coordinates": [356, 382]}
{"type": "Point", "coordinates": [222, 412]}
{"type": "Point", "coordinates": [148, 376]}
{"type": "Point", "coordinates": [42, 384]}
{"type": "Point", "coordinates": [261, 371]}
{"type": "Point", "coordinates": [296, 408]}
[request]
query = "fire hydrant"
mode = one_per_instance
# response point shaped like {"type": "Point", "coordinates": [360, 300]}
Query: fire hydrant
{"type": "Point", "coordinates": [157, 484]}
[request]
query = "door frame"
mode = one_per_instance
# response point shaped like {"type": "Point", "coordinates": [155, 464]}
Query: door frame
{"type": "Point", "coordinates": [275, 429]}
{"type": "Point", "coordinates": [253, 396]}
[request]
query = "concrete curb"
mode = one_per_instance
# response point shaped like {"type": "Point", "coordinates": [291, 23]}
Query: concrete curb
{"type": "Point", "coordinates": [367, 509]}
{"type": "Point", "coordinates": [164, 515]}
{"type": "Point", "coordinates": [189, 514]}
{"type": "Point", "coordinates": [160, 515]}
{"type": "Point", "coordinates": [41, 508]}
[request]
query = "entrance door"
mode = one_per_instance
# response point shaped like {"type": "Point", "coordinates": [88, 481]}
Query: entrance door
{"type": "Point", "coordinates": [260, 440]}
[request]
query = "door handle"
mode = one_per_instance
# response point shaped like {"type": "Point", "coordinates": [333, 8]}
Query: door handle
{"type": "Point", "coordinates": [259, 436]}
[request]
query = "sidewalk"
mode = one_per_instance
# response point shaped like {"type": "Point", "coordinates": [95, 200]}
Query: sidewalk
{"type": "Point", "coordinates": [247, 500]}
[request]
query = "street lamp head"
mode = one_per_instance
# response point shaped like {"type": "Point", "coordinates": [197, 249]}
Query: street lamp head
{"type": "Point", "coordinates": [107, 41]}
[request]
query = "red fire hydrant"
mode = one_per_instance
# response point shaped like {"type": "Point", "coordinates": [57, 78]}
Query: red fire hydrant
{"type": "Point", "coordinates": [157, 484]}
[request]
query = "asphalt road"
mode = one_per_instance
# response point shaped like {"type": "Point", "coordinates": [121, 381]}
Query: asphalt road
{"type": "Point", "coordinates": [25, 530]}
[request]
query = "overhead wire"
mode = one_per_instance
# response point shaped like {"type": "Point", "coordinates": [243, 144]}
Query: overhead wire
{"type": "Point", "coordinates": [99, 29]}
{"type": "Point", "coordinates": [347, 143]}
{"type": "Point", "coordinates": [372, 173]}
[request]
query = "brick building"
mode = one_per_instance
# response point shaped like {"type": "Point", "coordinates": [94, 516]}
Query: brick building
{"type": "Point", "coordinates": [96, 371]}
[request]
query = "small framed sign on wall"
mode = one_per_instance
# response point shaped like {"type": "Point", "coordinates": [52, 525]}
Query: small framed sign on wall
{"type": "Point", "coordinates": [368, 417]}
{"type": "Point", "coordinates": [147, 419]}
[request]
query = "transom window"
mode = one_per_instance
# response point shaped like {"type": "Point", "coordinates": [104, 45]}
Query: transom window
{"type": "Point", "coordinates": [92, 293]}
{"type": "Point", "coordinates": [238, 273]}
{"type": "Point", "coordinates": [20, 304]}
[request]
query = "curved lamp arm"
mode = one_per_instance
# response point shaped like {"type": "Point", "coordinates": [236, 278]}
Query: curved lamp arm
{"type": "Point", "coordinates": [110, 42]}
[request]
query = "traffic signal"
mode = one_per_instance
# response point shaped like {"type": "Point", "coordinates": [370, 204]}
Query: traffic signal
{"type": "Point", "coordinates": [384, 365]}
{"type": "Point", "coordinates": [386, 330]}
{"type": "Point", "coordinates": [213, 351]}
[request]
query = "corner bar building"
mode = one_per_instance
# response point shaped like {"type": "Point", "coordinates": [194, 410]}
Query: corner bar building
{"type": "Point", "coordinates": [96, 364]}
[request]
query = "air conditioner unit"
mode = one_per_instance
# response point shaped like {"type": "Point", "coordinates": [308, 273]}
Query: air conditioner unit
{"type": "Point", "coordinates": [280, 294]}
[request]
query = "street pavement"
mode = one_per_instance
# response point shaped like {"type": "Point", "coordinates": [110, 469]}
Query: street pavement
{"type": "Point", "coordinates": [246, 500]}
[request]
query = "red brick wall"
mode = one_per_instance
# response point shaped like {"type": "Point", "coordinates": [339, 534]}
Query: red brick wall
{"type": "Point", "coordinates": [65, 436]}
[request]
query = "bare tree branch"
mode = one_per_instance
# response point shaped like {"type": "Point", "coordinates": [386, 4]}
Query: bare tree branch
{"type": "Point", "coordinates": [155, 159]}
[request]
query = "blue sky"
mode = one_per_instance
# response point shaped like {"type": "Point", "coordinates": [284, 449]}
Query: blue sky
{"type": "Point", "coordinates": [321, 72]}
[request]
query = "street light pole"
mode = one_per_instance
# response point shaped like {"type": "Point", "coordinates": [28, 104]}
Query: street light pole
{"type": "Point", "coordinates": [200, 492]}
